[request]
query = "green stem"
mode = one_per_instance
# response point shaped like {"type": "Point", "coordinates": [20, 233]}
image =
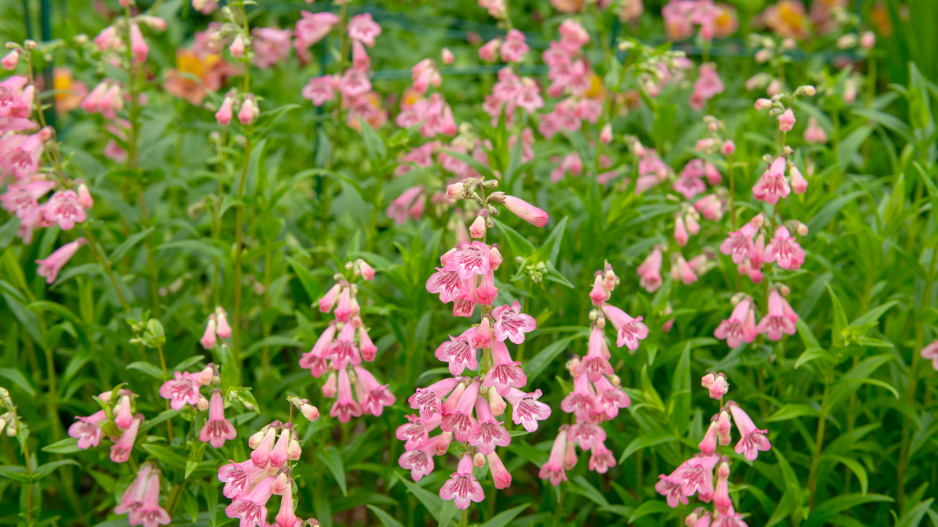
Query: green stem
{"type": "Point", "coordinates": [239, 223]}
{"type": "Point", "coordinates": [108, 267]}
{"type": "Point", "coordinates": [913, 380]}
{"type": "Point", "coordinates": [819, 447]}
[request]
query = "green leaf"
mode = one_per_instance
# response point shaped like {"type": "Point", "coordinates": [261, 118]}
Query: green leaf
{"type": "Point", "coordinates": [69, 445]}
{"type": "Point", "coordinates": [230, 372]}
{"type": "Point", "coordinates": [332, 458]}
{"type": "Point", "coordinates": [839, 319]}
{"type": "Point", "coordinates": [793, 411]}
{"type": "Point", "coordinates": [914, 517]}
{"type": "Point", "coordinates": [384, 517]}
{"type": "Point", "coordinates": [166, 455]}
{"type": "Point", "coordinates": [811, 354]}
{"type": "Point", "coordinates": [45, 470]}
{"type": "Point", "coordinates": [374, 145]}
{"type": "Point", "coordinates": [147, 368]}
{"type": "Point", "coordinates": [518, 244]}
{"type": "Point", "coordinates": [196, 453]}
{"type": "Point", "coordinates": [649, 507]}
{"type": "Point", "coordinates": [306, 278]}
{"type": "Point", "coordinates": [129, 243]}
{"type": "Point", "coordinates": [834, 506]}
{"type": "Point", "coordinates": [17, 378]}
{"type": "Point", "coordinates": [16, 473]}
{"type": "Point", "coordinates": [429, 500]}
{"type": "Point", "coordinates": [505, 517]}
{"type": "Point", "coordinates": [855, 467]}
{"type": "Point", "coordinates": [645, 441]}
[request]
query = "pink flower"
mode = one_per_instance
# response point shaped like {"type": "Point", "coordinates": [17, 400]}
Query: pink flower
{"type": "Point", "coordinates": [527, 409]}
{"type": "Point", "coordinates": [50, 267]}
{"type": "Point", "coordinates": [462, 486]}
{"type": "Point", "coordinates": [740, 327]}
{"type": "Point", "coordinates": [363, 28]}
{"type": "Point", "coordinates": [344, 350]}
{"type": "Point", "coordinates": [786, 121]}
{"type": "Point", "coordinates": [415, 434]}
{"type": "Point", "coordinates": [505, 372]}
{"type": "Point", "coordinates": [208, 339]}
{"type": "Point", "coordinates": [427, 400]}
{"type": "Point", "coordinates": [459, 352]}
{"type": "Point", "coordinates": [707, 85]}
{"type": "Point", "coordinates": [488, 432]}
{"type": "Point", "coordinates": [20, 154]}
{"type": "Point", "coordinates": [609, 399]}
{"type": "Point", "coordinates": [630, 330]}
{"type": "Point", "coordinates": [137, 45]}
{"type": "Point", "coordinates": [681, 270]}
{"type": "Point", "coordinates": [489, 51]}
{"type": "Point", "coordinates": [500, 474]}
{"type": "Point", "coordinates": [63, 207]}
{"type": "Point", "coordinates": [181, 390]}
{"type": "Point", "coordinates": [217, 429]}
{"type": "Point", "coordinates": [459, 419]}
{"type": "Point", "coordinates": [772, 185]}
{"type": "Point", "coordinates": [739, 244]}
{"type": "Point", "coordinates": [319, 90]}
{"type": "Point", "coordinates": [239, 478]}
{"type": "Point", "coordinates": [311, 28]}
{"type": "Point", "coordinates": [781, 318]}
{"type": "Point", "coordinates": [784, 250]}
{"type": "Point", "coordinates": [271, 46]}
{"type": "Point", "coordinates": [285, 516]}
{"type": "Point", "coordinates": [120, 451]}
{"type": "Point", "coordinates": [553, 469]}
{"type": "Point", "coordinates": [716, 383]}
{"type": "Point", "coordinates": [249, 110]}
{"type": "Point", "coordinates": [251, 508]}
{"type": "Point", "coordinates": [374, 396]}
{"type": "Point", "coordinates": [511, 323]}
{"type": "Point", "coordinates": [525, 211]}
{"type": "Point", "coordinates": [708, 444]}
{"type": "Point", "coordinates": [418, 461]}
{"type": "Point", "coordinates": [929, 352]}
{"type": "Point", "coordinates": [649, 272]}
{"type": "Point", "coordinates": [814, 133]}
{"type": "Point", "coordinates": [595, 364]}
{"type": "Point", "coordinates": [581, 400]}
{"type": "Point", "coordinates": [753, 440]}
{"type": "Point", "coordinates": [345, 407]}
{"type": "Point", "coordinates": [149, 513]}
{"type": "Point", "coordinates": [514, 49]}
{"type": "Point", "coordinates": [123, 417]}
{"type": "Point", "coordinates": [87, 430]}
{"type": "Point", "coordinates": [398, 208]}
{"type": "Point", "coordinates": [468, 259]}
{"type": "Point", "coordinates": [22, 198]}
{"type": "Point", "coordinates": [132, 499]}
{"type": "Point", "coordinates": [798, 183]}
{"type": "Point", "coordinates": [601, 458]}
{"type": "Point", "coordinates": [223, 329]}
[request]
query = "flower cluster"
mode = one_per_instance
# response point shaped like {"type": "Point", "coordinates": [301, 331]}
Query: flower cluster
{"type": "Point", "coordinates": [713, 20]}
{"type": "Point", "coordinates": [116, 419]}
{"type": "Point", "coordinates": [596, 395]}
{"type": "Point", "coordinates": [267, 472]}
{"type": "Point", "coordinates": [466, 407]}
{"type": "Point", "coordinates": [696, 475]}
{"type": "Point", "coordinates": [215, 328]}
{"type": "Point", "coordinates": [343, 346]}
{"type": "Point", "coordinates": [141, 500]}
{"type": "Point", "coordinates": [358, 100]}
{"type": "Point", "coordinates": [185, 390]}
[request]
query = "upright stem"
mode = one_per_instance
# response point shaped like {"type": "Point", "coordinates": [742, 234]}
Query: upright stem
{"type": "Point", "coordinates": [819, 447]}
{"type": "Point", "coordinates": [913, 380]}
{"type": "Point", "coordinates": [239, 222]}
{"type": "Point", "coordinates": [108, 267]}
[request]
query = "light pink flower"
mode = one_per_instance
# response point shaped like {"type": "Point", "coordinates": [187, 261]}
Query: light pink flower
{"type": "Point", "coordinates": [137, 45]}
{"type": "Point", "coordinates": [649, 272]}
{"type": "Point", "coordinates": [344, 350]}
{"type": "Point", "coordinates": [364, 28]}
{"type": "Point", "coordinates": [120, 451]}
{"type": "Point", "coordinates": [459, 420]}
{"type": "Point", "coordinates": [20, 154]}
{"type": "Point", "coordinates": [217, 429]}
{"type": "Point", "coordinates": [753, 440]}
{"type": "Point", "coordinates": [64, 208]}
{"type": "Point", "coordinates": [784, 250]}
{"type": "Point", "coordinates": [488, 432]}
{"type": "Point", "coordinates": [311, 28]}
{"type": "Point", "coordinates": [10, 60]}
{"type": "Point", "coordinates": [554, 468]}
{"type": "Point", "coordinates": [222, 327]}
{"type": "Point", "coordinates": [399, 207]}
{"type": "Point", "coordinates": [149, 513]}
{"type": "Point", "coordinates": [462, 487]}
{"type": "Point", "coordinates": [786, 121]}
{"type": "Point", "coordinates": [525, 211]}
{"type": "Point", "coordinates": [271, 46]}
{"type": "Point", "coordinates": [505, 373]}
{"type": "Point", "coordinates": [87, 430]}
{"type": "Point", "coordinates": [459, 352]}
{"type": "Point", "coordinates": [681, 270]}
{"type": "Point", "coordinates": [511, 323]}
{"type": "Point", "coordinates": [251, 508]}
{"type": "Point", "coordinates": [468, 259]}
{"type": "Point", "coordinates": [345, 407]}
{"type": "Point", "coordinates": [780, 320]}
{"type": "Point", "coordinates": [50, 267]}
{"type": "Point", "coordinates": [814, 133]}
{"type": "Point", "coordinates": [489, 51]}
{"type": "Point", "coordinates": [629, 330]}
{"type": "Point", "coordinates": [739, 243]}
{"type": "Point", "coordinates": [418, 461]}
{"type": "Point", "coordinates": [595, 364]}
{"type": "Point", "coordinates": [374, 396]}
{"type": "Point", "coordinates": [132, 499]}
{"type": "Point", "coordinates": [447, 56]}
{"type": "Point", "coordinates": [319, 90]}
{"type": "Point", "coordinates": [500, 474]}
{"type": "Point", "coordinates": [514, 49]}
{"type": "Point", "coordinates": [239, 478]}
{"type": "Point", "coordinates": [183, 389]}
{"type": "Point", "coordinates": [772, 185]}
{"type": "Point", "coordinates": [527, 409]}
{"type": "Point", "coordinates": [740, 327]}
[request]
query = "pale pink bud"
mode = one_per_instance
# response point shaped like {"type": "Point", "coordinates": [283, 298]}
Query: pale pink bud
{"type": "Point", "coordinates": [454, 190]}
{"type": "Point", "coordinates": [680, 232]}
{"type": "Point", "coordinates": [605, 135]}
{"type": "Point", "coordinates": [237, 47]}
{"type": "Point", "coordinates": [786, 121]}
{"type": "Point", "coordinates": [309, 411]}
{"type": "Point", "coordinates": [222, 327]}
{"type": "Point", "coordinates": [478, 460]}
{"type": "Point", "coordinates": [719, 387]}
{"type": "Point", "coordinates": [763, 104]}
{"type": "Point", "coordinates": [707, 380]}
{"type": "Point", "coordinates": [868, 40]}
{"type": "Point", "coordinates": [489, 52]}
{"type": "Point", "coordinates": [202, 405]}
{"type": "Point", "coordinates": [330, 386]}
{"type": "Point", "coordinates": [368, 272]}
{"type": "Point", "coordinates": [84, 197]}
{"type": "Point", "coordinates": [447, 56]}
{"type": "Point", "coordinates": [248, 111]}
{"type": "Point", "coordinates": [728, 147]}
{"type": "Point", "coordinates": [10, 60]}
{"type": "Point", "coordinates": [208, 339]}
{"type": "Point", "coordinates": [798, 183]}
{"type": "Point", "coordinates": [137, 45]}
{"type": "Point", "coordinates": [477, 229]}
{"type": "Point", "coordinates": [526, 211]}
{"type": "Point", "coordinates": [225, 113]}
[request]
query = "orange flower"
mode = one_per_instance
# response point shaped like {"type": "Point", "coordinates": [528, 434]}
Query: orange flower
{"type": "Point", "coordinates": [68, 92]}
{"type": "Point", "coordinates": [195, 75]}
{"type": "Point", "coordinates": [787, 19]}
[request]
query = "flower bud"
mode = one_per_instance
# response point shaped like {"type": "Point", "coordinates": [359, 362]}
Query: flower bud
{"type": "Point", "coordinates": [10, 60]}
{"type": "Point", "coordinates": [763, 104]}
{"type": "Point", "coordinates": [478, 460]}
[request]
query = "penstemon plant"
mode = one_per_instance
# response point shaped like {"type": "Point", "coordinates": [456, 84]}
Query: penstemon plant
{"type": "Point", "coordinates": [219, 216]}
